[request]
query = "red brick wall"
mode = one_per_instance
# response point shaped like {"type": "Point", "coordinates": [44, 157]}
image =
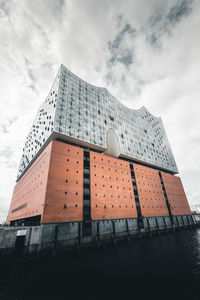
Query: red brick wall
{"type": "Point", "coordinates": [65, 184]}
{"type": "Point", "coordinates": [176, 195]}
{"type": "Point", "coordinates": [43, 189]}
{"type": "Point", "coordinates": [151, 196]}
{"type": "Point", "coordinates": [112, 195]}
{"type": "Point", "coordinates": [29, 192]}
{"type": "Point", "coordinates": [53, 188]}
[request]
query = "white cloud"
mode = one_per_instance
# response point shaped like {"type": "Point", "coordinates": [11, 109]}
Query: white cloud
{"type": "Point", "coordinates": [37, 36]}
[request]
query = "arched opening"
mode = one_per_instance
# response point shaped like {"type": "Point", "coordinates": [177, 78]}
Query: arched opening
{"type": "Point", "coordinates": [113, 146]}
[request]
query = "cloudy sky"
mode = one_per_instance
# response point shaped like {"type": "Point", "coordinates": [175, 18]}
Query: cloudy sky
{"type": "Point", "coordinates": [146, 52]}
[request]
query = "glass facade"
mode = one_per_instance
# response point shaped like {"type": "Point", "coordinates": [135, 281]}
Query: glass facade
{"type": "Point", "coordinates": [84, 112]}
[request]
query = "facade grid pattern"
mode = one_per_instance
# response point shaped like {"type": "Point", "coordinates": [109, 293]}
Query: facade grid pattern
{"type": "Point", "coordinates": [84, 112]}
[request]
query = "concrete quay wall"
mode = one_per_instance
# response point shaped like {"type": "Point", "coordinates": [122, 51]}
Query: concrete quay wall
{"type": "Point", "coordinates": [52, 239]}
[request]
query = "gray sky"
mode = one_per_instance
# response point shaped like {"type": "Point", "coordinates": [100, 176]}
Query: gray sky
{"type": "Point", "coordinates": [144, 52]}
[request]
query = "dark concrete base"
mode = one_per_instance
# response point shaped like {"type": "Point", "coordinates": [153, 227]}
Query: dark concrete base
{"type": "Point", "coordinates": [52, 239]}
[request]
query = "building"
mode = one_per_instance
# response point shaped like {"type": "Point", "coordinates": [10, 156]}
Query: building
{"type": "Point", "coordinates": [88, 158]}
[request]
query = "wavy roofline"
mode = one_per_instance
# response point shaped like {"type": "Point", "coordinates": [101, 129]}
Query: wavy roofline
{"type": "Point", "coordinates": [119, 102]}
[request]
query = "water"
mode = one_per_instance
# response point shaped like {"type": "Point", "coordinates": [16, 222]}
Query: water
{"type": "Point", "coordinates": [161, 267]}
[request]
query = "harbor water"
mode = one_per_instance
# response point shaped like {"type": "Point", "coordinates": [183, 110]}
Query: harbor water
{"type": "Point", "coordinates": [165, 266]}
